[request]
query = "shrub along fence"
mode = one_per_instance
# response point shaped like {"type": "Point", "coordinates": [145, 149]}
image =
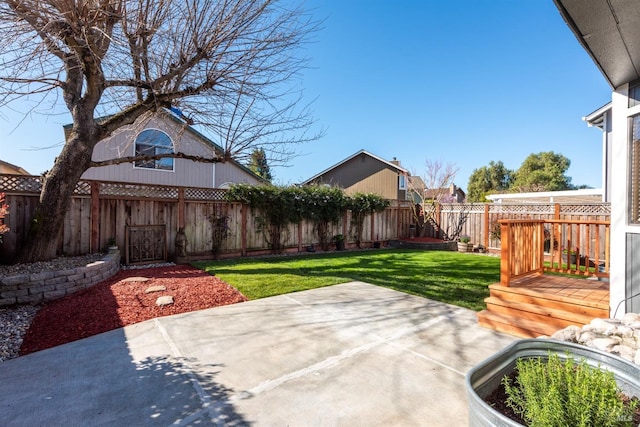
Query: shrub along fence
{"type": "Point", "coordinates": [144, 221]}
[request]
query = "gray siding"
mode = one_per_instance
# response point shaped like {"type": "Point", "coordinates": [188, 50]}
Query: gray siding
{"type": "Point", "coordinates": [185, 173]}
{"type": "Point", "coordinates": [632, 274]}
{"type": "Point", "coordinates": [230, 172]}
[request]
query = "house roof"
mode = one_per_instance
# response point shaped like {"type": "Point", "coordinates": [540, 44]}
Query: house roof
{"type": "Point", "coordinates": [596, 118]}
{"type": "Point", "coordinates": [388, 163]}
{"type": "Point", "coordinates": [589, 195]}
{"type": "Point", "coordinates": [610, 33]}
{"type": "Point", "coordinates": [18, 169]}
{"type": "Point", "coordinates": [417, 182]}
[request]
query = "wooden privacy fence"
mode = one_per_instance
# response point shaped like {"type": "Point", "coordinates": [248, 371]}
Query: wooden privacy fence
{"type": "Point", "coordinates": [481, 220]}
{"type": "Point", "coordinates": [101, 211]}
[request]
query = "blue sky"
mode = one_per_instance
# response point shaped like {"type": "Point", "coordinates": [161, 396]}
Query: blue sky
{"type": "Point", "coordinates": [465, 83]}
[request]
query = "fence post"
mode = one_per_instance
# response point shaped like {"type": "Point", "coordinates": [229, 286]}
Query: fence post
{"type": "Point", "coordinates": [95, 216]}
{"type": "Point", "coordinates": [300, 236]}
{"type": "Point", "coordinates": [373, 228]}
{"type": "Point", "coordinates": [243, 229]}
{"type": "Point", "coordinates": [485, 233]}
{"type": "Point", "coordinates": [181, 207]}
{"type": "Point", "coordinates": [556, 211]}
{"type": "Point", "coordinates": [438, 219]}
{"type": "Point", "coordinates": [398, 219]}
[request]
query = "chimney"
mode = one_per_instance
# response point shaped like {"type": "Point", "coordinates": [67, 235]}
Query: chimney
{"type": "Point", "coordinates": [395, 162]}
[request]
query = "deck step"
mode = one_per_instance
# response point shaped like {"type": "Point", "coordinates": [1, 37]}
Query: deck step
{"type": "Point", "coordinates": [532, 311]}
{"type": "Point", "coordinates": [514, 326]}
{"type": "Point", "coordinates": [527, 296]}
{"type": "Point", "coordinates": [537, 312]}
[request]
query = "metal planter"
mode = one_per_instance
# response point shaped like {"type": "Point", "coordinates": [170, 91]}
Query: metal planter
{"type": "Point", "coordinates": [483, 378]}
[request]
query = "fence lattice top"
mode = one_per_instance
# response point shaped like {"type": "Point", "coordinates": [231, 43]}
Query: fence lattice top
{"type": "Point", "coordinates": [531, 208]}
{"type": "Point", "coordinates": [24, 184]}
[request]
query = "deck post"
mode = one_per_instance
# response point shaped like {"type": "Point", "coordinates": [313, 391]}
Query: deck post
{"type": "Point", "coordinates": [505, 253]}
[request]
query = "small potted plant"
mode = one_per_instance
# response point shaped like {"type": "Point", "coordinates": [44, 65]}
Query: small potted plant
{"type": "Point", "coordinates": [112, 245]}
{"type": "Point", "coordinates": [569, 255]}
{"type": "Point", "coordinates": [464, 244]}
{"type": "Point", "coordinates": [339, 239]}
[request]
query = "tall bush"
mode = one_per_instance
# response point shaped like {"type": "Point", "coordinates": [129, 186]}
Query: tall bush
{"type": "Point", "coordinates": [361, 205]}
{"type": "Point", "coordinates": [324, 206]}
{"type": "Point", "coordinates": [4, 211]}
{"type": "Point", "coordinates": [276, 207]}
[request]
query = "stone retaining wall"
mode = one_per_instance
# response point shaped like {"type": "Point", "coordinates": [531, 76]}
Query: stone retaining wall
{"type": "Point", "coordinates": [50, 285]}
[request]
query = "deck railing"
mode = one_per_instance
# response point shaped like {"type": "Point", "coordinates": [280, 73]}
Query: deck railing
{"type": "Point", "coordinates": [575, 247]}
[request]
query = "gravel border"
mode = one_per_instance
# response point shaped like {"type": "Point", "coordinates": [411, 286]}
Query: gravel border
{"type": "Point", "coordinates": [15, 320]}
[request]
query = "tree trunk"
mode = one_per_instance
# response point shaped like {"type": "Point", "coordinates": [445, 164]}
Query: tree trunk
{"type": "Point", "coordinates": [55, 199]}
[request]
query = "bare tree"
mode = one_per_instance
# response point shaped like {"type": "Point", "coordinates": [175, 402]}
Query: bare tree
{"type": "Point", "coordinates": [427, 192]}
{"type": "Point", "coordinates": [228, 65]}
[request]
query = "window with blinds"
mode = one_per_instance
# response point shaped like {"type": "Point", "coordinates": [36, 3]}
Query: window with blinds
{"type": "Point", "coordinates": [635, 171]}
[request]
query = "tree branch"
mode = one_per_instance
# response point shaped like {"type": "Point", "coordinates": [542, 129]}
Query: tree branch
{"type": "Point", "coordinates": [131, 159]}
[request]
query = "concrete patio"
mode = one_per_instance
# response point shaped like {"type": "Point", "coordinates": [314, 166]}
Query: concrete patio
{"type": "Point", "coordinates": [350, 354]}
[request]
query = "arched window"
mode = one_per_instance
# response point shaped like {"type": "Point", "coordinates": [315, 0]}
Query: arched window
{"type": "Point", "coordinates": [152, 142]}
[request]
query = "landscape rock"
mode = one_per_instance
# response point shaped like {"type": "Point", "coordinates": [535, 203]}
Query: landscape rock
{"type": "Point", "coordinates": [156, 288]}
{"type": "Point", "coordinates": [617, 336]}
{"type": "Point", "coordinates": [570, 334]}
{"type": "Point", "coordinates": [164, 300]}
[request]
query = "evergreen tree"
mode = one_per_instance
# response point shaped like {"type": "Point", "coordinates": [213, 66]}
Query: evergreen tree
{"type": "Point", "coordinates": [258, 164]}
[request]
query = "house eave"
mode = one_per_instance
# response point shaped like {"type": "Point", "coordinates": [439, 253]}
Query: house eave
{"type": "Point", "coordinates": [609, 31]}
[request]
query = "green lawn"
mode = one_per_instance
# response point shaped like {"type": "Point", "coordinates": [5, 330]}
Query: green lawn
{"type": "Point", "coordinates": [451, 277]}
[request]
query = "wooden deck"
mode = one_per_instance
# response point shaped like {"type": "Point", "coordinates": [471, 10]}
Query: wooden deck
{"type": "Point", "coordinates": [540, 304]}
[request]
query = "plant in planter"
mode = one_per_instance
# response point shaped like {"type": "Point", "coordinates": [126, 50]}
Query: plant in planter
{"type": "Point", "coordinates": [339, 239]}
{"type": "Point", "coordinates": [555, 392]}
{"type": "Point", "coordinates": [464, 244]}
{"type": "Point", "coordinates": [485, 378]}
{"type": "Point", "coordinates": [570, 255]}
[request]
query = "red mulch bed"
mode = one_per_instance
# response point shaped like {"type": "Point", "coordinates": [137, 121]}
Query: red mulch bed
{"type": "Point", "coordinates": [117, 302]}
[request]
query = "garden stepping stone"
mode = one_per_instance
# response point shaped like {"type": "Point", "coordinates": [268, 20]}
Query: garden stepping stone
{"type": "Point", "coordinates": [164, 300]}
{"type": "Point", "coordinates": [136, 279]}
{"type": "Point", "coordinates": [156, 288]}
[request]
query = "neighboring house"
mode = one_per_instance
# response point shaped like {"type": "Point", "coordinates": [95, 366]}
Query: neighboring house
{"type": "Point", "coordinates": [364, 172]}
{"type": "Point", "coordinates": [8, 168]}
{"type": "Point", "coordinates": [418, 192]}
{"type": "Point", "coordinates": [609, 32]}
{"type": "Point", "coordinates": [165, 133]}
{"type": "Point", "coordinates": [450, 194]}
{"type": "Point", "coordinates": [588, 195]}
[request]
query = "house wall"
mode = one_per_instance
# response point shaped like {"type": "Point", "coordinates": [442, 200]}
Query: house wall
{"type": "Point", "coordinates": [606, 157]}
{"type": "Point", "coordinates": [621, 231]}
{"type": "Point", "coordinates": [230, 172]}
{"type": "Point", "coordinates": [366, 175]}
{"type": "Point", "coordinates": [185, 173]}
